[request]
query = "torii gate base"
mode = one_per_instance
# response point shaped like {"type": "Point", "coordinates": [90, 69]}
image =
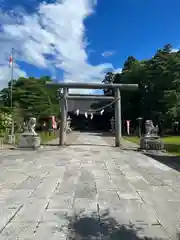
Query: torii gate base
{"type": "Point", "coordinates": [65, 86]}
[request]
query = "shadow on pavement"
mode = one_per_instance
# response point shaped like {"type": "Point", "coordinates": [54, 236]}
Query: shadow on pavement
{"type": "Point", "coordinates": [88, 144]}
{"type": "Point", "coordinates": [75, 144]}
{"type": "Point", "coordinates": [105, 227]}
{"type": "Point", "coordinates": [96, 132]}
{"type": "Point", "coordinates": [170, 161]}
{"type": "Point", "coordinates": [50, 144]}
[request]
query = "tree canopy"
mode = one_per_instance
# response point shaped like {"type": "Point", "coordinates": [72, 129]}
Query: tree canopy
{"type": "Point", "coordinates": [31, 98]}
{"type": "Point", "coordinates": [158, 97]}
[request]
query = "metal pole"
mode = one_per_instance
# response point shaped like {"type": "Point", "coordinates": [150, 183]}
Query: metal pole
{"type": "Point", "coordinates": [62, 131]}
{"type": "Point", "coordinates": [12, 78]}
{"type": "Point", "coordinates": [118, 118]}
{"type": "Point", "coordinates": [11, 137]}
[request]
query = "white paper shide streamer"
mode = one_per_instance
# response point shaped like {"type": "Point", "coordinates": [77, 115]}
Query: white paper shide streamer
{"type": "Point", "coordinates": [86, 115]}
{"type": "Point", "coordinates": [102, 111]}
{"type": "Point", "coordinates": [77, 112]}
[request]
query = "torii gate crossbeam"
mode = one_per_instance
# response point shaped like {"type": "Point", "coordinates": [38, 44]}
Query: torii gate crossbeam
{"type": "Point", "coordinates": [65, 86]}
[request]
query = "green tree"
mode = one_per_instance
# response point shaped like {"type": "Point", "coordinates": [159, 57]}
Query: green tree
{"type": "Point", "coordinates": [158, 78]}
{"type": "Point", "coordinates": [31, 97]}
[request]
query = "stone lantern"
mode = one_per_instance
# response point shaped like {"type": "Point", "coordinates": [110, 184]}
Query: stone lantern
{"type": "Point", "coordinates": [68, 129]}
{"type": "Point", "coordinates": [112, 124]}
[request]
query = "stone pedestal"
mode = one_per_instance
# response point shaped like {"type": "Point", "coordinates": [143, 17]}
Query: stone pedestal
{"type": "Point", "coordinates": [29, 141]}
{"type": "Point", "coordinates": [151, 142]}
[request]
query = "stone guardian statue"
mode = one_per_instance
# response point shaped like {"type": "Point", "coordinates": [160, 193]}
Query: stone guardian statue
{"type": "Point", "coordinates": [29, 138]}
{"type": "Point", "coordinates": [31, 126]}
{"type": "Point", "coordinates": [151, 141]}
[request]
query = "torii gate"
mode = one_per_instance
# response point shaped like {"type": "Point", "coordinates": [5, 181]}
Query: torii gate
{"type": "Point", "coordinates": [65, 86]}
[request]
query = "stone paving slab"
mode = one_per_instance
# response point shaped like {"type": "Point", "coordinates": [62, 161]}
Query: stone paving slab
{"type": "Point", "coordinates": [89, 190]}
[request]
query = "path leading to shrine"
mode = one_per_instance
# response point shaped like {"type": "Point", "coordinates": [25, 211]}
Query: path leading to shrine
{"type": "Point", "coordinates": [90, 191]}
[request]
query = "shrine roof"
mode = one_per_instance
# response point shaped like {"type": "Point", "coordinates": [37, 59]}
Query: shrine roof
{"type": "Point", "coordinates": [82, 105]}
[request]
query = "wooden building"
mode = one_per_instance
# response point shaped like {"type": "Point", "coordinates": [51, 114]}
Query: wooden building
{"type": "Point", "coordinates": [80, 122]}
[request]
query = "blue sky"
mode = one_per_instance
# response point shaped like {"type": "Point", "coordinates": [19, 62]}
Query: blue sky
{"type": "Point", "coordinates": [80, 40]}
{"type": "Point", "coordinates": [135, 28]}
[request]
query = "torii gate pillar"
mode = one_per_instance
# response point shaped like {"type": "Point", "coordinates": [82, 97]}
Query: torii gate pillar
{"type": "Point", "coordinates": [117, 87]}
{"type": "Point", "coordinates": [118, 117]}
{"type": "Point", "coordinates": [63, 123]}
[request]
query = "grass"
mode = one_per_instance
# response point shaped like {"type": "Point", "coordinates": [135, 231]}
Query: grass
{"type": "Point", "coordinates": [171, 140]}
{"type": "Point", "coordinates": [133, 139]}
{"type": "Point", "coordinates": [171, 143]}
{"type": "Point", "coordinates": [45, 137]}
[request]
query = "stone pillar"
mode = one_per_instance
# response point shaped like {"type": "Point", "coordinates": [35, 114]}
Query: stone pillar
{"type": "Point", "coordinates": [118, 117]}
{"type": "Point", "coordinates": [63, 124]}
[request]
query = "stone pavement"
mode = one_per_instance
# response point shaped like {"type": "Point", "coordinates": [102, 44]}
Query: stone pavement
{"type": "Point", "coordinates": [87, 192]}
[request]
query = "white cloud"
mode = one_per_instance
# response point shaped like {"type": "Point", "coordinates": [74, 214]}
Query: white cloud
{"type": "Point", "coordinates": [5, 74]}
{"type": "Point", "coordinates": [108, 53]}
{"type": "Point", "coordinates": [56, 29]}
{"type": "Point", "coordinates": [175, 50]}
{"type": "Point", "coordinates": [118, 70]}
